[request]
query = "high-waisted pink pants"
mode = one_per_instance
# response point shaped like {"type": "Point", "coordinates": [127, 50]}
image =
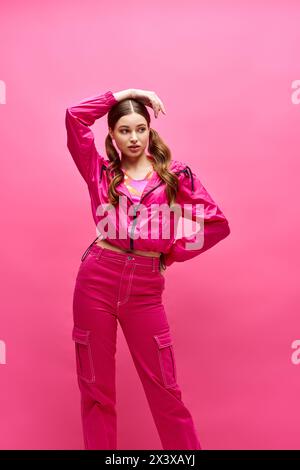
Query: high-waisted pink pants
{"type": "Point", "coordinates": [110, 287]}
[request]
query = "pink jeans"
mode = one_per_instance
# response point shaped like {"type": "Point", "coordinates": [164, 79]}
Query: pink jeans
{"type": "Point", "coordinates": [125, 287]}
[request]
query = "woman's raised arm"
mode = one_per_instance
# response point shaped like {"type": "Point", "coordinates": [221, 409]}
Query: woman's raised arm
{"type": "Point", "coordinates": [80, 138]}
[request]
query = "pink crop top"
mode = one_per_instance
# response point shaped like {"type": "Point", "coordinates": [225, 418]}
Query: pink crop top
{"type": "Point", "coordinates": [136, 187]}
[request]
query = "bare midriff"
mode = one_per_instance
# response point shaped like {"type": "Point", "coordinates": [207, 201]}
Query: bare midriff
{"type": "Point", "coordinates": [106, 244]}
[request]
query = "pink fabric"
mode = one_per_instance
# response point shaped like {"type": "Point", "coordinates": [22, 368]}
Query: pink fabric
{"type": "Point", "coordinates": [136, 186]}
{"type": "Point", "coordinates": [117, 288]}
{"type": "Point", "coordinates": [131, 228]}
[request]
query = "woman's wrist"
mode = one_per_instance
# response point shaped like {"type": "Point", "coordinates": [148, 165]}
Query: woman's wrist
{"type": "Point", "coordinates": [123, 95]}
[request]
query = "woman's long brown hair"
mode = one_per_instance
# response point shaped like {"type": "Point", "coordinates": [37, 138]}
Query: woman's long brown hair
{"type": "Point", "coordinates": [157, 148]}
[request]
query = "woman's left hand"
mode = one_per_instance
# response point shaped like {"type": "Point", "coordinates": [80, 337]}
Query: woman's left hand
{"type": "Point", "coordinates": [149, 98]}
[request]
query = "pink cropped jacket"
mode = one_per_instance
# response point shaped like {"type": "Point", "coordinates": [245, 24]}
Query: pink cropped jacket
{"type": "Point", "coordinates": [150, 225]}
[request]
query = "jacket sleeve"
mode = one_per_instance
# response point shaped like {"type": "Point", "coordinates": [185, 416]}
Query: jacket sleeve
{"type": "Point", "coordinates": [80, 138]}
{"type": "Point", "coordinates": [196, 204]}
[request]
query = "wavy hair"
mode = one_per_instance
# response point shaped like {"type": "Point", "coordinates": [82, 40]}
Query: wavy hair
{"type": "Point", "coordinates": [157, 148]}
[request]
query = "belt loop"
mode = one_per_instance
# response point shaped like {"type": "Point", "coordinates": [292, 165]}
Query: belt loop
{"type": "Point", "coordinates": [153, 267]}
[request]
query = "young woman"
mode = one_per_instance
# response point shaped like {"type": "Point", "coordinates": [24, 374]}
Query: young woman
{"type": "Point", "coordinates": [135, 195]}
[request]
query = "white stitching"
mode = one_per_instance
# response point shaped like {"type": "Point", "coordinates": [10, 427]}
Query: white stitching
{"type": "Point", "coordinates": [129, 287]}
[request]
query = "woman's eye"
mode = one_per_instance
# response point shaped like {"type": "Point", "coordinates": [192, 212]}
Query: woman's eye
{"type": "Point", "coordinates": [141, 129]}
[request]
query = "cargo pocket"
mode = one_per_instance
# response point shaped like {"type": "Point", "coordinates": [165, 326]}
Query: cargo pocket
{"type": "Point", "coordinates": [84, 360]}
{"type": "Point", "coordinates": [166, 358]}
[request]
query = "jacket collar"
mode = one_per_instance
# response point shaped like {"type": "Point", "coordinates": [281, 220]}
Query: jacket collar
{"type": "Point", "coordinates": [175, 166]}
{"type": "Point", "coordinates": [154, 181]}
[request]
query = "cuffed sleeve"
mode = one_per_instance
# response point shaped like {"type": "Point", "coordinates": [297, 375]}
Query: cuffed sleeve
{"type": "Point", "coordinates": [80, 138]}
{"type": "Point", "coordinates": [197, 204]}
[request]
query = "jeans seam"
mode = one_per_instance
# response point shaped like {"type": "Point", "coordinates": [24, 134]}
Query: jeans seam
{"type": "Point", "coordinates": [121, 278]}
{"type": "Point", "coordinates": [129, 287]}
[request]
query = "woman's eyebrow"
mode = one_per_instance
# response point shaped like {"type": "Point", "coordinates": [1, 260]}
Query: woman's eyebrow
{"type": "Point", "coordinates": [128, 126]}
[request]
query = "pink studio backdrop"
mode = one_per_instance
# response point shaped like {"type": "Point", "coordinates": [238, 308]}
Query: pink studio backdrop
{"type": "Point", "coordinates": [225, 72]}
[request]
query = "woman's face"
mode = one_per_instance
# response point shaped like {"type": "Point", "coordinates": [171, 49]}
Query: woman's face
{"type": "Point", "coordinates": [131, 129]}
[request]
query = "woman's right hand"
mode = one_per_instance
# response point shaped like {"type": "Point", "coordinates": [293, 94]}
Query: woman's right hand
{"type": "Point", "coordinates": [149, 98]}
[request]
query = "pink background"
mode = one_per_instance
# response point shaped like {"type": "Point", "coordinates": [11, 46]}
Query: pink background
{"type": "Point", "coordinates": [224, 70]}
